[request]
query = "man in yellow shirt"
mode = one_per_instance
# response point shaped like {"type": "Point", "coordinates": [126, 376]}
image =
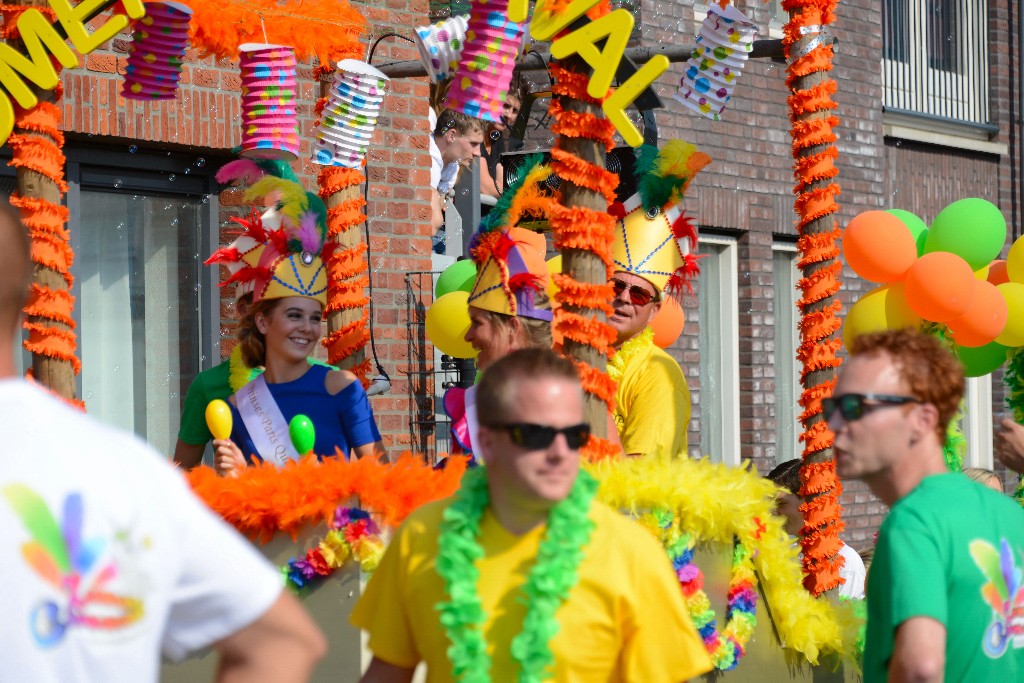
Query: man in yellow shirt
{"type": "Point", "coordinates": [651, 254]}
{"type": "Point", "coordinates": [522, 571]}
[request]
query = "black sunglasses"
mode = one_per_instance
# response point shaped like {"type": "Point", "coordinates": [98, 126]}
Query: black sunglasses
{"type": "Point", "coordinates": [535, 437]}
{"type": "Point", "coordinates": [638, 296]}
{"type": "Point", "coordinates": [853, 406]}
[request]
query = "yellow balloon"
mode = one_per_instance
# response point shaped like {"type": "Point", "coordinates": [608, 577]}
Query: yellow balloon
{"type": "Point", "coordinates": [1013, 334]}
{"type": "Point", "coordinates": [554, 266]}
{"type": "Point", "coordinates": [447, 324]}
{"type": "Point", "coordinates": [883, 308]}
{"type": "Point", "coordinates": [218, 418]}
{"type": "Point", "coordinates": [1015, 261]}
{"type": "Point", "coordinates": [982, 273]}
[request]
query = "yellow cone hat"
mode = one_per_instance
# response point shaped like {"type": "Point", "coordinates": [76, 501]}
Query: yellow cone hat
{"type": "Point", "coordinates": [653, 238]}
{"type": "Point", "coordinates": [512, 273]}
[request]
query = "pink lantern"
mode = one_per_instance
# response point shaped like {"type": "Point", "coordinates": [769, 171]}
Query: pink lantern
{"type": "Point", "coordinates": [269, 127]}
{"type": "Point", "coordinates": [489, 53]}
{"type": "Point", "coordinates": [157, 51]}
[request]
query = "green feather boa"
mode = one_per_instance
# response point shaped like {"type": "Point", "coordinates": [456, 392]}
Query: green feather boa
{"type": "Point", "coordinates": [548, 585]}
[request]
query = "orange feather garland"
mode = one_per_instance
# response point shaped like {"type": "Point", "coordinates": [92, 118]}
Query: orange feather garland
{"type": "Point", "coordinates": [265, 500]}
{"type": "Point", "coordinates": [814, 171]}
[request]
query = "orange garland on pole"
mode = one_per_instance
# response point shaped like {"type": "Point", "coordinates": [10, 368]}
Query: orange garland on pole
{"type": "Point", "coordinates": [37, 146]}
{"type": "Point", "coordinates": [347, 314]}
{"type": "Point", "coordinates": [809, 54]}
{"type": "Point", "coordinates": [585, 229]}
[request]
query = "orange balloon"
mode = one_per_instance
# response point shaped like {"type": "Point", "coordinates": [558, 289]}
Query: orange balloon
{"type": "Point", "coordinates": [668, 323]}
{"type": "Point", "coordinates": [997, 274]}
{"type": "Point", "coordinates": [984, 320]}
{"type": "Point", "coordinates": [878, 246]}
{"type": "Point", "coordinates": [940, 286]}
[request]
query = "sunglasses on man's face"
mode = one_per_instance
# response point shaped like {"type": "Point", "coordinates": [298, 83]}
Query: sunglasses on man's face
{"type": "Point", "coordinates": [534, 437]}
{"type": "Point", "coordinates": [638, 296]}
{"type": "Point", "coordinates": [854, 406]}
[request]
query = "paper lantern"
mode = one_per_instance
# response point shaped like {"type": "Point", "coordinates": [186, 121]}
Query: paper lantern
{"type": "Point", "coordinates": [269, 127]}
{"type": "Point", "coordinates": [156, 53]}
{"type": "Point", "coordinates": [480, 84]}
{"type": "Point", "coordinates": [725, 40]}
{"type": "Point", "coordinates": [441, 45]}
{"type": "Point", "coordinates": [346, 124]}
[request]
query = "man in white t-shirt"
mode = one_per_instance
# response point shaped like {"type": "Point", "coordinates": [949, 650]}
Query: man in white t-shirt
{"type": "Point", "coordinates": [787, 477]}
{"type": "Point", "coordinates": [108, 558]}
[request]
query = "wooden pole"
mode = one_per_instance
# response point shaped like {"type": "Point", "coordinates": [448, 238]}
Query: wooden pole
{"type": "Point", "coordinates": [809, 55]}
{"type": "Point", "coordinates": [347, 314]}
{"type": "Point", "coordinates": [39, 195]}
{"type": "Point", "coordinates": [584, 265]}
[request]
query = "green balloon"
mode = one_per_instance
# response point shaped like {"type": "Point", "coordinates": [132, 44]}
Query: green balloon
{"type": "Point", "coordinates": [973, 229]}
{"type": "Point", "coordinates": [981, 360]}
{"type": "Point", "coordinates": [916, 226]}
{"type": "Point", "coordinates": [458, 277]}
{"type": "Point", "coordinates": [303, 435]}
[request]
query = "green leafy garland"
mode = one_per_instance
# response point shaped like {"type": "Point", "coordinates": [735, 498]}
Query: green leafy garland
{"type": "Point", "coordinates": [955, 447]}
{"type": "Point", "coordinates": [1014, 380]}
{"type": "Point", "coordinates": [547, 586]}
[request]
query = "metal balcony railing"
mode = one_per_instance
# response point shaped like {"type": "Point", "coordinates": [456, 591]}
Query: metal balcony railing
{"type": "Point", "coordinates": [935, 59]}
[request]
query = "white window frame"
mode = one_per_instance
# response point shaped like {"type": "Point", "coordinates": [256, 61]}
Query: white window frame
{"type": "Point", "coordinates": [727, 403]}
{"type": "Point", "coordinates": [977, 423]}
{"type": "Point", "coordinates": [790, 346]}
{"type": "Point", "coordinates": [926, 90]}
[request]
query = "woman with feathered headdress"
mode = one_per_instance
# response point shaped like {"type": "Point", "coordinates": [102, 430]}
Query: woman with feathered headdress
{"type": "Point", "coordinates": [281, 257]}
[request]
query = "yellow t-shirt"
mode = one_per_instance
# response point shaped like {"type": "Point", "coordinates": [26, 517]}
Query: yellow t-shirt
{"type": "Point", "coordinates": [652, 405]}
{"type": "Point", "coordinates": [624, 621]}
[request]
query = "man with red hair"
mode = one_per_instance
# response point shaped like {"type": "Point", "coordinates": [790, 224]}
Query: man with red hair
{"type": "Point", "coordinates": [946, 586]}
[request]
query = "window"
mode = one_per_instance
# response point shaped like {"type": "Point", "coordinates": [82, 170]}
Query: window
{"type": "Point", "coordinates": [718, 401]}
{"type": "Point", "coordinates": [977, 422]}
{"type": "Point", "coordinates": [936, 59]}
{"type": "Point", "coordinates": [145, 306]}
{"type": "Point", "coordinates": [787, 340]}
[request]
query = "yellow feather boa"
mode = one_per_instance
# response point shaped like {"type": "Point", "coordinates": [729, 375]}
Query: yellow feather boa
{"type": "Point", "coordinates": [638, 344]}
{"type": "Point", "coordinates": [715, 503]}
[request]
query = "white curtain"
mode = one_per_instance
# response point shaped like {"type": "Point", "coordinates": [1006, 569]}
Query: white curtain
{"type": "Point", "coordinates": [138, 305]}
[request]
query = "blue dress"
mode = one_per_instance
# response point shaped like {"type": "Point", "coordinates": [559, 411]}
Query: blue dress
{"type": "Point", "coordinates": [342, 421]}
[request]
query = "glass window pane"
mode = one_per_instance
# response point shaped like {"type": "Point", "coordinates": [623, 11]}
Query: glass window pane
{"type": "Point", "coordinates": [787, 388]}
{"type": "Point", "coordinates": [137, 268]}
{"type": "Point", "coordinates": [710, 398]}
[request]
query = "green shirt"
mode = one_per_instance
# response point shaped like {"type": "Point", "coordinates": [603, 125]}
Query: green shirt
{"type": "Point", "coordinates": [951, 550]}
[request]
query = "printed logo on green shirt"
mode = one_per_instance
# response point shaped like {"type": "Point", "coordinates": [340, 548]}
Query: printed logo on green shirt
{"type": "Point", "coordinates": [1004, 593]}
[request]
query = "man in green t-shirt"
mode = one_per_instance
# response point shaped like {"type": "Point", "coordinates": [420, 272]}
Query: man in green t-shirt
{"type": "Point", "coordinates": [946, 587]}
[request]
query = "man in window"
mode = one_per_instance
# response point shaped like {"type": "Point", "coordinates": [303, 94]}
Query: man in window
{"type": "Point", "coordinates": [652, 258]}
{"type": "Point", "coordinates": [945, 587]}
{"type": "Point", "coordinates": [457, 138]}
{"type": "Point", "coordinates": [522, 575]}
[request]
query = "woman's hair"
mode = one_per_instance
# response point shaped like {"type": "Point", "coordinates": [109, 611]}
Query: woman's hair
{"type": "Point", "coordinates": [534, 332]}
{"type": "Point", "coordinates": [866, 555]}
{"type": "Point", "coordinates": [495, 395]}
{"type": "Point", "coordinates": [983, 476]}
{"type": "Point", "coordinates": [250, 339]}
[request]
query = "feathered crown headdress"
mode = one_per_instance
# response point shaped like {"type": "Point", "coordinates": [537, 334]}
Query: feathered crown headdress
{"type": "Point", "coordinates": [654, 238]}
{"type": "Point", "coordinates": [281, 252]}
{"type": "Point", "coordinates": [510, 260]}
